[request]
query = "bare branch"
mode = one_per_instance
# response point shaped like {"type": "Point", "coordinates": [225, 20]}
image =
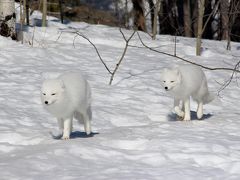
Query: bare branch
{"type": "Point", "coordinates": [33, 34]}
{"type": "Point", "coordinates": [188, 61]}
{"type": "Point", "coordinates": [175, 45]}
{"type": "Point", "coordinates": [123, 54]}
{"type": "Point", "coordinates": [211, 15]}
{"type": "Point", "coordinates": [84, 37]}
{"type": "Point", "coordinates": [127, 40]}
{"type": "Point", "coordinates": [123, 35]}
{"type": "Point", "coordinates": [60, 34]}
{"type": "Point", "coordinates": [230, 79]}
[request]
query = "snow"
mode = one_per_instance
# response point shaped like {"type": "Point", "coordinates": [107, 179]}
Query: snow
{"type": "Point", "coordinates": [137, 135]}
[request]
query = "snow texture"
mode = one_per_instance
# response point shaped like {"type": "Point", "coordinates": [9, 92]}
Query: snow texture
{"type": "Point", "coordinates": [136, 134]}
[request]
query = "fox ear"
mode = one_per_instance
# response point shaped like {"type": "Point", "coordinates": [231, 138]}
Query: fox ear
{"type": "Point", "coordinates": [162, 72]}
{"type": "Point", "coordinates": [62, 84]}
{"type": "Point", "coordinates": [165, 70]}
{"type": "Point", "coordinates": [176, 71]}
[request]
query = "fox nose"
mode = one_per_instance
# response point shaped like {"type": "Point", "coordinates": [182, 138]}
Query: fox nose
{"type": "Point", "coordinates": [166, 88]}
{"type": "Point", "coordinates": [46, 102]}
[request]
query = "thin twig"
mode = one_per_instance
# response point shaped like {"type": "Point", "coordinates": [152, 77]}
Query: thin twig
{"type": "Point", "coordinates": [175, 45]}
{"type": "Point", "coordinates": [123, 54]}
{"type": "Point", "coordinates": [210, 15]}
{"type": "Point", "coordinates": [84, 37]}
{"type": "Point", "coordinates": [127, 40]}
{"type": "Point", "coordinates": [230, 79]}
{"type": "Point", "coordinates": [60, 34]}
{"type": "Point", "coordinates": [34, 28]}
{"type": "Point", "coordinates": [188, 61]}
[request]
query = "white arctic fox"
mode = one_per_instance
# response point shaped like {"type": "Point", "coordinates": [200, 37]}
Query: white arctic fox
{"type": "Point", "coordinates": [66, 97]}
{"type": "Point", "coordinates": [185, 81]}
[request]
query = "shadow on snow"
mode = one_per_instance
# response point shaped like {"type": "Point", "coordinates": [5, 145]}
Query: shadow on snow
{"type": "Point", "coordinates": [174, 117]}
{"type": "Point", "coordinates": [74, 135]}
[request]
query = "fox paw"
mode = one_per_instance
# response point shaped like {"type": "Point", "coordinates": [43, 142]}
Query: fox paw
{"type": "Point", "coordinates": [65, 137]}
{"type": "Point", "coordinates": [187, 119]}
{"type": "Point", "coordinates": [88, 133]}
{"type": "Point", "coordinates": [178, 111]}
{"type": "Point", "coordinates": [199, 115]}
{"type": "Point", "coordinates": [179, 118]}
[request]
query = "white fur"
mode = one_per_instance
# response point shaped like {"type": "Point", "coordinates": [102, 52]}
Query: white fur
{"type": "Point", "coordinates": [185, 81]}
{"type": "Point", "coordinates": [66, 97]}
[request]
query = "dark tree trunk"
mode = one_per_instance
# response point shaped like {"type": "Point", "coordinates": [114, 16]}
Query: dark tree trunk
{"type": "Point", "coordinates": [208, 32]}
{"type": "Point", "coordinates": [195, 17]}
{"type": "Point", "coordinates": [139, 18]}
{"type": "Point", "coordinates": [61, 10]}
{"type": "Point", "coordinates": [168, 18]}
{"type": "Point", "coordinates": [151, 7]}
{"type": "Point", "coordinates": [187, 18]}
{"type": "Point", "coordinates": [173, 17]}
{"type": "Point", "coordinates": [224, 10]}
{"type": "Point", "coordinates": [235, 21]}
{"type": "Point", "coordinates": [27, 12]}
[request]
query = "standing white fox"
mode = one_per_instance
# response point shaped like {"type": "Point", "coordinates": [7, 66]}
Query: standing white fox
{"type": "Point", "coordinates": [66, 97]}
{"type": "Point", "coordinates": [185, 81]}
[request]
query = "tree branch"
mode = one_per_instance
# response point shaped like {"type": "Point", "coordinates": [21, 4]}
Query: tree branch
{"type": "Point", "coordinates": [188, 61]}
{"type": "Point", "coordinates": [84, 37]}
{"type": "Point", "coordinates": [127, 40]}
{"type": "Point", "coordinates": [123, 54]}
{"type": "Point", "coordinates": [230, 79]}
{"type": "Point", "coordinates": [210, 15]}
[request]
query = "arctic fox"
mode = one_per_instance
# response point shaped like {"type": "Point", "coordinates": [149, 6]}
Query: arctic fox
{"type": "Point", "coordinates": [66, 97]}
{"type": "Point", "coordinates": [185, 81]}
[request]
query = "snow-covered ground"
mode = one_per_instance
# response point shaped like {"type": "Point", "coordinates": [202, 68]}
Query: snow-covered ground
{"type": "Point", "coordinates": [138, 136]}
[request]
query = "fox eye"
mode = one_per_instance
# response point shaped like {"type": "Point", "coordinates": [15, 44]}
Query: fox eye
{"type": "Point", "coordinates": [164, 81]}
{"type": "Point", "coordinates": [44, 94]}
{"type": "Point", "coordinates": [172, 81]}
{"type": "Point", "coordinates": [53, 94]}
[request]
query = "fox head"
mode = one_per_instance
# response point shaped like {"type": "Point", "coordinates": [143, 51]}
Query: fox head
{"type": "Point", "coordinates": [52, 91]}
{"type": "Point", "coordinates": [170, 78]}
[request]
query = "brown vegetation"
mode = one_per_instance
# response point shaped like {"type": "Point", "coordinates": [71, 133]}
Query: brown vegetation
{"type": "Point", "coordinates": [90, 15]}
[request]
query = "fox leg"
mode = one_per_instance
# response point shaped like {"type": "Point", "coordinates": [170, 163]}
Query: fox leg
{"type": "Point", "coordinates": [87, 125]}
{"type": "Point", "coordinates": [178, 108]}
{"type": "Point", "coordinates": [60, 125]}
{"type": "Point", "coordinates": [187, 116]}
{"type": "Point", "coordinates": [179, 111]}
{"type": "Point", "coordinates": [200, 110]}
{"type": "Point", "coordinates": [86, 120]}
{"type": "Point", "coordinates": [84, 116]}
{"type": "Point", "coordinates": [67, 128]}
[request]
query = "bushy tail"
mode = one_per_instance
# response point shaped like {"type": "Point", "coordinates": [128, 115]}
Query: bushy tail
{"type": "Point", "coordinates": [208, 98]}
